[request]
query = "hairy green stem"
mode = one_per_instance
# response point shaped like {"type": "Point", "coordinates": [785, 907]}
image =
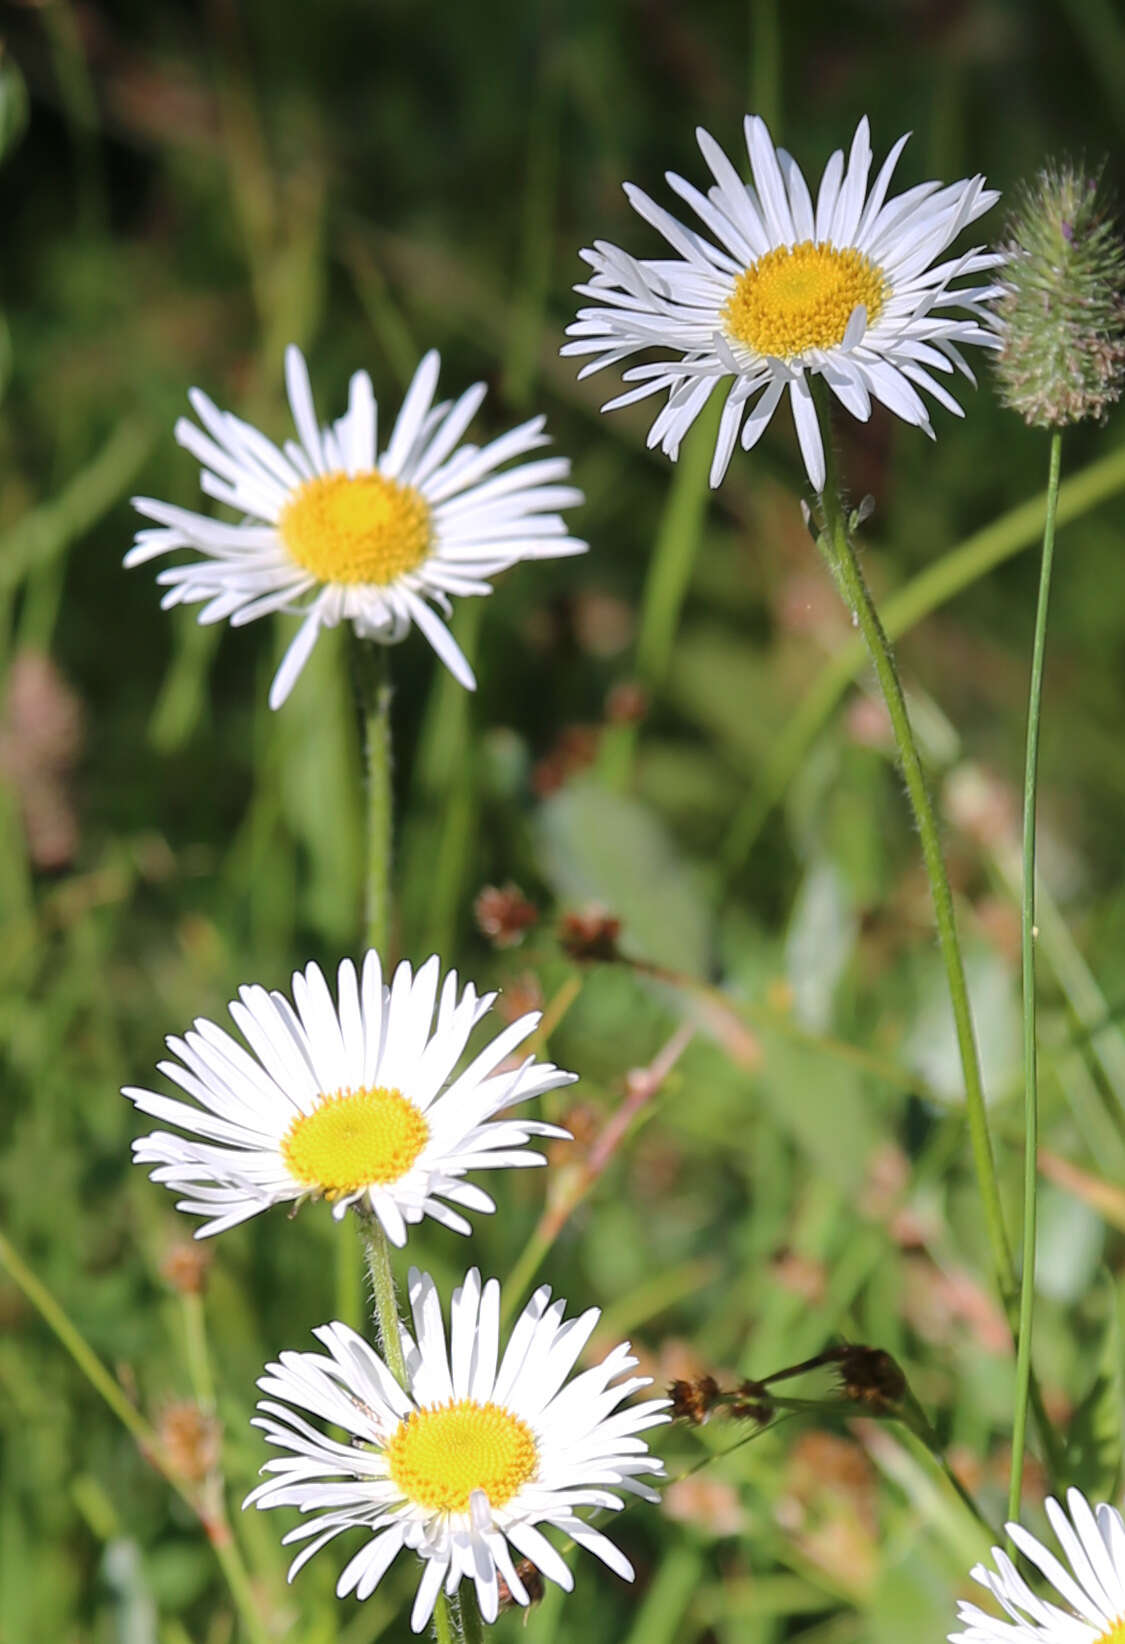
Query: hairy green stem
{"type": "Point", "coordinates": [472, 1626]}
{"type": "Point", "coordinates": [1028, 934]}
{"type": "Point", "coordinates": [837, 547]}
{"type": "Point", "coordinates": [378, 1252]}
{"type": "Point", "coordinates": [443, 1622]}
{"type": "Point", "coordinates": [373, 698]}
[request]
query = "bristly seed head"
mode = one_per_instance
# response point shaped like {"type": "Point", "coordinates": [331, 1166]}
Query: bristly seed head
{"type": "Point", "coordinates": [1063, 316]}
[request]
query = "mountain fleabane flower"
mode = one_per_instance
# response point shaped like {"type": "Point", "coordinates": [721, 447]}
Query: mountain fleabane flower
{"type": "Point", "coordinates": [1091, 1594]}
{"type": "Point", "coordinates": [778, 289]}
{"type": "Point", "coordinates": [470, 1458]}
{"type": "Point", "coordinates": [336, 531]}
{"type": "Point", "coordinates": [351, 1101]}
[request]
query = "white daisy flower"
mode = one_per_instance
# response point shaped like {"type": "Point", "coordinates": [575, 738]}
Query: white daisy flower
{"type": "Point", "coordinates": [470, 1458]}
{"type": "Point", "coordinates": [351, 1102]}
{"type": "Point", "coordinates": [782, 290]}
{"type": "Point", "coordinates": [336, 532]}
{"type": "Point", "coordinates": [1092, 1591]}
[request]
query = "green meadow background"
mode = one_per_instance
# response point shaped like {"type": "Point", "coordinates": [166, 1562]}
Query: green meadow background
{"type": "Point", "coordinates": [183, 190]}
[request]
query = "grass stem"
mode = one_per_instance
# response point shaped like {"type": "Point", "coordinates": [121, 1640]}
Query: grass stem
{"type": "Point", "coordinates": [1028, 935]}
{"type": "Point", "coordinates": [373, 694]}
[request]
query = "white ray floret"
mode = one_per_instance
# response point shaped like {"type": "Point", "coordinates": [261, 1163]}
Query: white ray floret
{"type": "Point", "coordinates": [778, 288]}
{"type": "Point", "coordinates": [354, 1100]}
{"type": "Point", "coordinates": [1087, 1605]}
{"type": "Point", "coordinates": [464, 1464]}
{"type": "Point", "coordinates": [337, 531]}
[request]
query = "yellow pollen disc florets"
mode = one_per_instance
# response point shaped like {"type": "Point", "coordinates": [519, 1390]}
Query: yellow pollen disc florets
{"type": "Point", "coordinates": [438, 1457]}
{"type": "Point", "coordinates": [802, 296]}
{"type": "Point", "coordinates": [1115, 1635]}
{"type": "Point", "coordinates": [354, 1139]}
{"type": "Point", "coordinates": [352, 529]}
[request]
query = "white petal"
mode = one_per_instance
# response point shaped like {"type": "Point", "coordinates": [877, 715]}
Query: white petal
{"type": "Point", "coordinates": [419, 397]}
{"type": "Point", "coordinates": [808, 431]}
{"type": "Point", "coordinates": [300, 649]}
{"type": "Point", "coordinates": [301, 404]}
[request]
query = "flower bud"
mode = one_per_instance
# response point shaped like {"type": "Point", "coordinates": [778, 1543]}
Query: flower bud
{"type": "Point", "coordinates": [1063, 314]}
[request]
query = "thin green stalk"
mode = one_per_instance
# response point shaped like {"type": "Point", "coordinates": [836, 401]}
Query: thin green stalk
{"type": "Point", "coordinates": [836, 544]}
{"type": "Point", "coordinates": [144, 1434]}
{"type": "Point", "coordinates": [1028, 934]}
{"type": "Point", "coordinates": [373, 692]}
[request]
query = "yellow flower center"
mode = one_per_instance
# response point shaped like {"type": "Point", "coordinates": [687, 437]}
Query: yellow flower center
{"type": "Point", "coordinates": [802, 296]}
{"type": "Point", "coordinates": [1115, 1635]}
{"type": "Point", "coordinates": [438, 1457]}
{"type": "Point", "coordinates": [354, 1139]}
{"type": "Point", "coordinates": [349, 529]}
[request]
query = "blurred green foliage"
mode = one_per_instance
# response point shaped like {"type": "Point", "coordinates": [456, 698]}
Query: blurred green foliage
{"type": "Point", "coordinates": [198, 185]}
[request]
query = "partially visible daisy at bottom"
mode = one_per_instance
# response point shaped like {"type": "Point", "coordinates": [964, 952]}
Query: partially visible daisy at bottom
{"type": "Point", "coordinates": [468, 1460]}
{"type": "Point", "coordinates": [1092, 1591]}
{"type": "Point", "coordinates": [352, 1100]}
